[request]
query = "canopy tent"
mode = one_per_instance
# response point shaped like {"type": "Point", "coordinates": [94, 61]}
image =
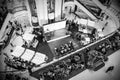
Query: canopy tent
{"type": "Point", "coordinates": [18, 51]}
{"type": "Point", "coordinates": [28, 37]}
{"type": "Point", "coordinates": [39, 58]}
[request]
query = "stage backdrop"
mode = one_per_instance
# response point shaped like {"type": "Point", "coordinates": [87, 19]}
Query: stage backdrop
{"type": "Point", "coordinates": [54, 26]}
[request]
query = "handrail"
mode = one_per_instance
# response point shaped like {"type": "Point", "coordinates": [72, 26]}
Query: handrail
{"type": "Point", "coordinates": [87, 8]}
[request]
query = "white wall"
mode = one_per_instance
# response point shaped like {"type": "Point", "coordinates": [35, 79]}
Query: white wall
{"type": "Point", "coordinates": [28, 9]}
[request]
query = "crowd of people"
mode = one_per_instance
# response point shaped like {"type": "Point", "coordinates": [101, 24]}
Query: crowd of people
{"type": "Point", "coordinates": [115, 41]}
{"type": "Point", "coordinates": [71, 26]}
{"type": "Point", "coordinates": [64, 49]}
{"type": "Point", "coordinates": [94, 58]}
{"type": "Point", "coordinates": [11, 76]}
{"type": "Point", "coordinates": [91, 59]}
{"type": "Point", "coordinates": [63, 69]}
{"type": "Point", "coordinates": [77, 31]}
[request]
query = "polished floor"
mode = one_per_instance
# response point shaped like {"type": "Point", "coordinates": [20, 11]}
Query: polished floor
{"type": "Point", "coordinates": [114, 60]}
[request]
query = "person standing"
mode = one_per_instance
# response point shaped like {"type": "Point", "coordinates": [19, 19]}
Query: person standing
{"type": "Point", "coordinates": [110, 68]}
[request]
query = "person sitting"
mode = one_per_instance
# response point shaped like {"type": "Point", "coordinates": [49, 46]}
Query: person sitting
{"type": "Point", "coordinates": [67, 47]}
{"type": "Point", "coordinates": [40, 35]}
{"type": "Point", "coordinates": [70, 44]}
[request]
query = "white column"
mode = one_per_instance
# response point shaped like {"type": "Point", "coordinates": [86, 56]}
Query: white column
{"type": "Point", "coordinates": [58, 9]}
{"type": "Point", "coordinates": [45, 12]}
{"type": "Point", "coordinates": [41, 6]}
{"type": "Point", "coordinates": [29, 12]}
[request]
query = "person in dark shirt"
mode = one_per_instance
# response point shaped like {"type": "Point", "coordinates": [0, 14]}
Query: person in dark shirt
{"type": "Point", "coordinates": [110, 68]}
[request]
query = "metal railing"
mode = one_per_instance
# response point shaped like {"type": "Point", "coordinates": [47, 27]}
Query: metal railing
{"type": "Point", "coordinates": [87, 8]}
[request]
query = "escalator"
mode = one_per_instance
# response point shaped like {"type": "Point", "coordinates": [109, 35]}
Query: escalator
{"type": "Point", "coordinates": [91, 10]}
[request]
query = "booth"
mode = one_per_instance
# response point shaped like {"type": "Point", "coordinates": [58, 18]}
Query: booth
{"type": "Point", "coordinates": [39, 58]}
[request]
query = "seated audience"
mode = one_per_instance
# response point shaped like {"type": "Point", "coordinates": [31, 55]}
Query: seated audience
{"type": "Point", "coordinates": [64, 49]}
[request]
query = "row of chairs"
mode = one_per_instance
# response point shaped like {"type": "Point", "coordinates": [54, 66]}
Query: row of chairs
{"type": "Point", "coordinates": [64, 49]}
{"type": "Point", "coordinates": [95, 58]}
